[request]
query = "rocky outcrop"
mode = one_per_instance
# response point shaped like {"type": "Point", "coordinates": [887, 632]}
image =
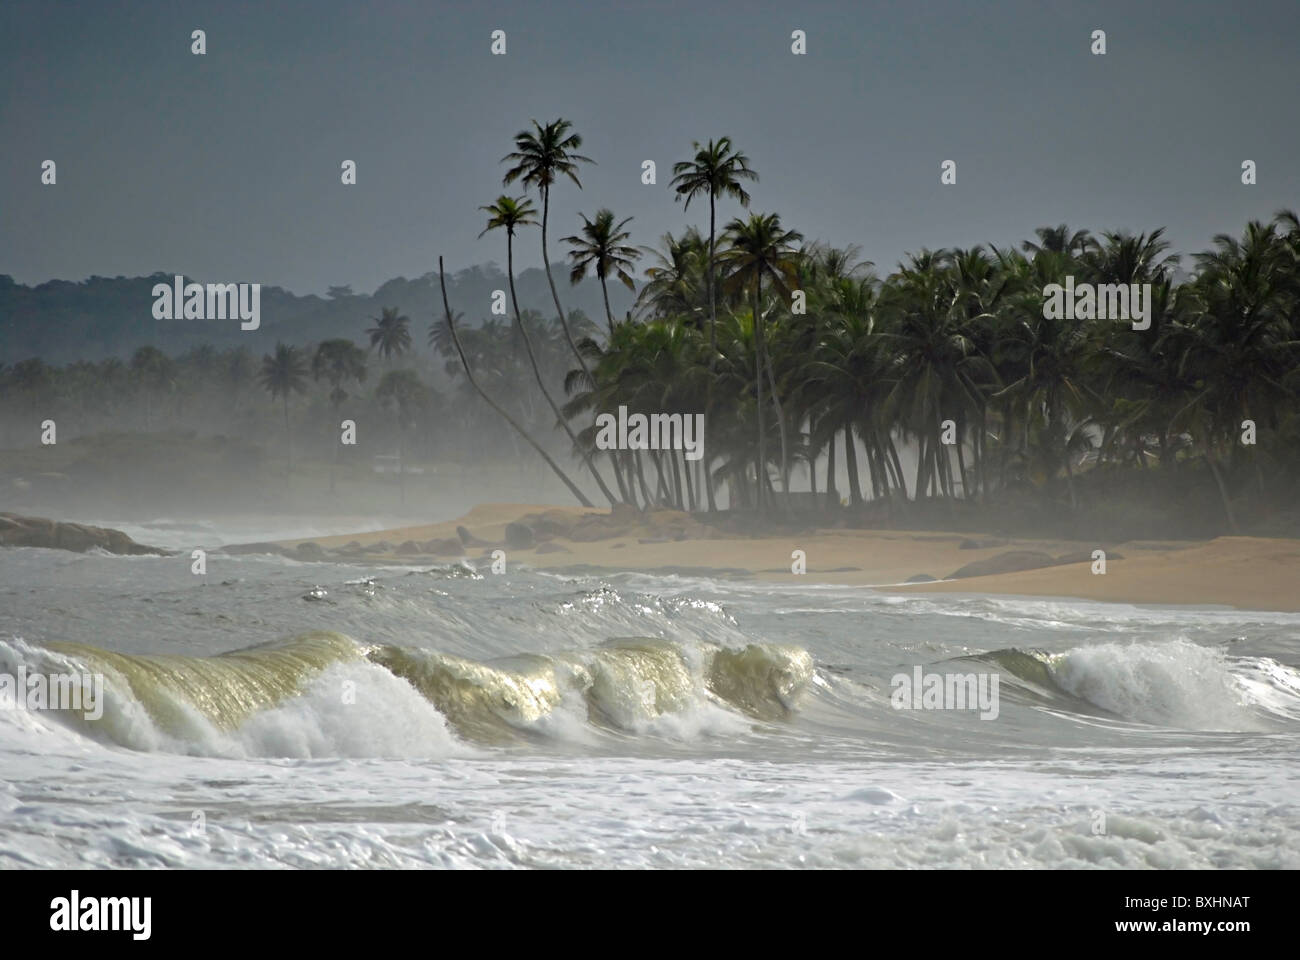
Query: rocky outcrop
{"type": "Point", "coordinates": [16, 531]}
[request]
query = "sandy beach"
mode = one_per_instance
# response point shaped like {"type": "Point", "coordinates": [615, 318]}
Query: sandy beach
{"type": "Point", "coordinates": [1247, 573]}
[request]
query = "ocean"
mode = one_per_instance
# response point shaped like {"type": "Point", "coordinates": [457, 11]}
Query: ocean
{"type": "Point", "coordinates": [274, 713]}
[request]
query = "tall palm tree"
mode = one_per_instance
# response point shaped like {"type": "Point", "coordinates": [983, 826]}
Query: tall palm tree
{"type": "Point", "coordinates": [509, 214]}
{"type": "Point", "coordinates": [601, 248]}
{"type": "Point", "coordinates": [761, 247]}
{"type": "Point", "coordinates": [391, 334]}
{"type": "Point", "coordinates": [541, 156]}
{"type": "Point", "coordinates": [338, 361]}
{"type": "Point", "coordinates": [716, 170]}
{"type": "Point", "coordinates": [284, 373]}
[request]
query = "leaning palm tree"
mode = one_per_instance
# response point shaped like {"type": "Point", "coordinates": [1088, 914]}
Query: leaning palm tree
{"type": "Point", "coordinates": [284, 373]}
{"type": "Point", "coordinates": [540, 157]}
{"type": "Point", "coordinates": [391, 334]}
{"type": "Point", "coordinates": [509, 214]}
{"type": "Point", "coordinates": [760, 247]}
{"type": "Point", "coordinates": [469, 375]}
{"type": "Point", "coordinates": [601, 248]}
{"type": "Point", "coordinates": [338, 361]}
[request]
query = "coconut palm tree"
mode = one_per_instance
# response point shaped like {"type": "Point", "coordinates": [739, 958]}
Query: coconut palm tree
{"type": "Point", "coordinates": [391, 334]}
{"type": "Point", "coordinates": [716, 170]}
{"type": "Point", "coordinates": [509, 214]}
{"type": "Point", "coordinates": [402, 392]}
{"type": "Point", "coordinates": [541, 156]}
{"type": "Point", "coordinates": [761, 247]}
{"type": "Point", "coordinates": [1059, 239]}
{"type": "Point", "coordinates": [338, 361]}
{"type": "Point", "coordinates": [155, 374]}
{"type": "Point", "coordinates": [284, 373]}
{"type": "Point", "coordinates": [469, 375]}
{"type": "Point", "coordinates": [601, 248]}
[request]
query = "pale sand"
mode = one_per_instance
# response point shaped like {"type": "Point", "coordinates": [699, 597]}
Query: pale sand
{"type": "Point", "coordinates": [1243, 572]}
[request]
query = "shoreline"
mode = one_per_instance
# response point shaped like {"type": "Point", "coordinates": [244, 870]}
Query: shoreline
{"type": "Point", "coordinates": [1243, 573]}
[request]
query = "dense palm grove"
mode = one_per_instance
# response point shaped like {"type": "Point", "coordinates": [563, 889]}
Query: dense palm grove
{"type": "Point", "coordinates": [941, 384]}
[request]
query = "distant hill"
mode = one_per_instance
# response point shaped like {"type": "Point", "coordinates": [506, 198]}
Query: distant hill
{"type": "Point", "coordinates": [62, 320]}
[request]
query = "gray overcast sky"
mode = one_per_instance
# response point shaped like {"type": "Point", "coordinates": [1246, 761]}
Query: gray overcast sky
{"type": "Point", "coordinates": [226, 166]}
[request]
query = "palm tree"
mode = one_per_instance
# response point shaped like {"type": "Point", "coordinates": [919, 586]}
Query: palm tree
{"type": "Point", "coordinates": [716, 170]}
{"type": "Point", "coordinates": [601, 247]}
{"type": "Point", "coordinates": [1059, 239]}
{"type": "Point", "coordinates": [402, 391]}
{"type": "Point", "coordinates": [510, 214]}
{"type": "Point", "coordinates": [541, 156]}
{"type": "Point", "coordinates": [760, 247]}
{"type": "Point", "coordinates": [469, 375]}
{"type": "Point", "coordinates": [391, 334]}
{"type": "Point", "coordinates": [338, 361]}
{"type": "Point", "coordinates": [284, 373]}
{"type": "Point", "coordinates": [155, 373]}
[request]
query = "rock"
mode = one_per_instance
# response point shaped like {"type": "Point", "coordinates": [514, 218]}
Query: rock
{"type": "Point", "coordinates": [239, 549]}
{"type": "Point", "coordinates": [17, 531]}
{"type": "Point", "coordinates": [383, 546]}
{"type": "Point", "coordinates": [981, 544]}
{"type": "Point", "coordinates": [407, 548]}
{"type": "Point", "coordinates": [351, 548]}
{"type": "Point", "coordinates": [552, 547]}
{"type": "Point", "coordinates": [448, 547]}
{"type": "Point", "coordinates": [1009, 562]}
{"type": "Point", "coordinates": [520, 536]}
{"type": "Point", "coordinates": [921, 578]}
{"type": "Point", "coordinates": [466, 537]}
{"type": "Point", "coordinates": [310, 551]}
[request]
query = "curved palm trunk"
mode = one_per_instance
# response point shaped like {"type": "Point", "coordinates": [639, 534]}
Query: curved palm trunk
{"type": "Point", "coordinates": [573, 489]}
{"type": "Point", "coordinates": [546, 262]}
{"type": "Point", "coordinates": [537, 374]}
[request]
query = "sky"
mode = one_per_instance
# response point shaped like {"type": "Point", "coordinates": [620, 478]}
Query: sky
{"type": "Point", "coordinates": [226, 166]}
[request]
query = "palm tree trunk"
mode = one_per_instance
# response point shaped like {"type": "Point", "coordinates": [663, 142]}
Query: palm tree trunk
{"type": "Point", "coordinates": [851, 462]}
{"type": "Point", "coordinates": [451, 326]}
{"type": "Point", "coordinates": [761, 463]}
{"type": "Point", "coordinates": [780, 424]}
{"type": "Point", "coordinates": [537, 374]}
{"type": "Point", "coordinates": [1223, 489]}
{"type": "Point", "coordinates": [546, 261]}
{"type": "Point", "coordinates": [288, 440]}
{"type": "Point", "coordinates": [609, 316]}
{"type": "Point", "coordinates": [713, 352]}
